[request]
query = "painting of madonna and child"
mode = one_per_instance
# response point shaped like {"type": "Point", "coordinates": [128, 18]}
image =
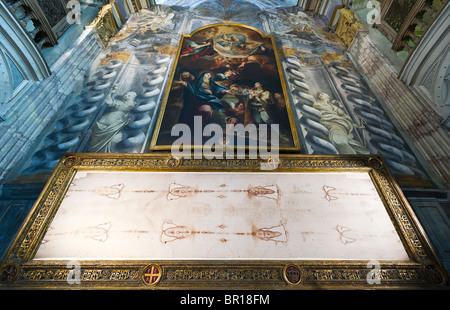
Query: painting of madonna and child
{"type": "Point", "coordinates": [227, 75]}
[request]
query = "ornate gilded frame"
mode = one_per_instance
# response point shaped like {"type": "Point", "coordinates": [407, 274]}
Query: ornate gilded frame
{"type": "Point", "coordinates": [154, 146]}
{"type": "Point", "coordinates": [19, 270]}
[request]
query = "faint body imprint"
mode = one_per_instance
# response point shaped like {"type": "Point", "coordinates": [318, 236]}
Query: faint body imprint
{"type": "Point", "coordinates": [171, 232]}
{"type": "Point", "coordinates": [113, 191]}
{"type": "Point", "coordinates": [177, 191]}
{"type": "Point", "coordinates": [327, 190]}
{"type": "Point", "coordinates": [342, 230]}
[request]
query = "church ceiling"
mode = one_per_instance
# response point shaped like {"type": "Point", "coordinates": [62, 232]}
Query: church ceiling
{"type": "Point", "coordinates": [228, 10]}
{"type": "Point", "coordinates": [333, 109]}
{"type": "Point", "coordinates": [225, 4]}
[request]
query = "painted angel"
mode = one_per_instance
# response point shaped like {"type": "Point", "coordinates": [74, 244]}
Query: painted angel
{"type": "Point", "coordinates": [196, 50]}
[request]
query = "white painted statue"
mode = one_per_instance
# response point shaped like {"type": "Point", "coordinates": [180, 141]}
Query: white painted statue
{"type": "Point", "coordinates": [107, 131]}
{"type": "Point", "coordinates": [339, 125]}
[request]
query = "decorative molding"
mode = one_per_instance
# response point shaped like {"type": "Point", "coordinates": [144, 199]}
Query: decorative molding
{"type": "Point", "coordinates": [425, 71]}
{"type": "Point", "coordinates": [348, 26]}
{"type": "Point", "coordinates": [105, 24]}
{"type": "Point", "coordinates": [21, 48]}
{"type": "Point", "coordinates": [42, 23]}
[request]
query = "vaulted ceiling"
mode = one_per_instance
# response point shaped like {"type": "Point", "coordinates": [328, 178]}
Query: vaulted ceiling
{"type": "Point", "coordinates": [261, 4]}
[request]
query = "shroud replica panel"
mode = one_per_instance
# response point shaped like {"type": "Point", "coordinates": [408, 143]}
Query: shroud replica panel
{"type": "Point", "coordinates": [155, 221]}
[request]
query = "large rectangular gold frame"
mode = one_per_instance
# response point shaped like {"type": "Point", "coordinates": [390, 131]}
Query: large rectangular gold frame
{"type": "Point", "coordinates": [153, 144]}
{"type": "Point", "coordinates": [19, 270]}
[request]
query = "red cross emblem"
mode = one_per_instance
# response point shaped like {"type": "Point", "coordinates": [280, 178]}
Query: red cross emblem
{"type": "Point", "coordinates": [152, 275]}
{"type": "Point", "coordinates": [273, 162]}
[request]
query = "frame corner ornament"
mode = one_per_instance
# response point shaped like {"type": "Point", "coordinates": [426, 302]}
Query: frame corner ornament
{"type": "Point", "coordinates": [9, 274]}
{"type": "Point", "coordinates": [376, 163]}
{"type": "Point", "coordinates": [70, 161]}
{"type": "Point", "coordinates": [434, 274]}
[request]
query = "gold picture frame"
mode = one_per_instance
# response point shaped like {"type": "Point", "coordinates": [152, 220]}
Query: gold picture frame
{"type": "Point", "coordinates": [20, 268]}
{"type": "Point", "coordinates": [260, 66]}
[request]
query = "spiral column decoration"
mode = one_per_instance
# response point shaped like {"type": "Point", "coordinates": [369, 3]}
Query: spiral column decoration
{"type": "Point", "coordinates": [141, 116]}
{"type": "Point", "coordinates": [309, 117]}
{"type": "Point", "coordinates": [382, 137]}
{"type": "Point", "coordinates": [76, 121]}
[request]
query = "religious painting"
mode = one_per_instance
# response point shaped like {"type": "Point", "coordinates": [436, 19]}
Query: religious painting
{"type": "Point", "coordinates": [156, 221]}
{"type": "Point", "coordinates": [228, 75]}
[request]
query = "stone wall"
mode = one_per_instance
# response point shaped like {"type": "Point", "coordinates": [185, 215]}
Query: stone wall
{"type": "Point", "coordinates": [40, 104]}
{"type": "Point", "coordinates": [418, 122]}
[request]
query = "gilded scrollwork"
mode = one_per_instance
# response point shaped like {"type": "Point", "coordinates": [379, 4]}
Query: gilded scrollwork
{"type": "Point", "coordinates": [86, 275]}
{"type": "Point", "coordinates": [105, 24]}
{"type": "Point", "coordinates": [34, 228]}
{"type": "Point", "coordinates": [348, 26]}
{"type": "Point", "coordinates": [222, 274]}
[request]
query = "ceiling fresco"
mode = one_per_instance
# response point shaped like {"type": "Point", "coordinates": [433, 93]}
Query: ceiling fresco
{"type": "Point", "coordinates": [261, 4]}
